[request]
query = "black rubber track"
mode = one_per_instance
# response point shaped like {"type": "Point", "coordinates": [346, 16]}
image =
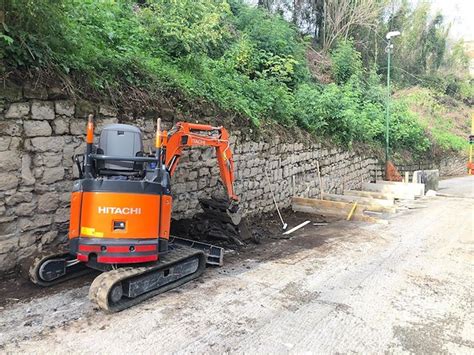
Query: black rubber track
{"type": "Point", "coordinates": [99, 292]}
{"type": "Point", "coordinates": [71, 273]}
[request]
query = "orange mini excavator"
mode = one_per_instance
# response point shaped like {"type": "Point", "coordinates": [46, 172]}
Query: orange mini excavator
{"type": "Point", "coordinates": [121, 214]}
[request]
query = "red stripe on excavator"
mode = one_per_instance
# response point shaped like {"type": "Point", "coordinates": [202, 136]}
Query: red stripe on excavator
{"type": "Point", "coordinates": [118, 249]}
{"type": "Point", "coordinates": [145, 247]}
{"type": "Point", "coordinates": [89, 248]}
{"type": "Point", "coordinates": [126, 259]}
{"type": "Point", "coordinates": [126, 249]}
{"type": "Point", "coordinates": [82, 257]}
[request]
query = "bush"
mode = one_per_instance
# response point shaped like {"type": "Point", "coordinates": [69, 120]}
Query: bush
{"type": "Point", "coordinates": [241, 58]}
{"type": "Point", "coordinates": [34, 32]}
{"type": "Point", "coordinates": [466, 91]}
{"type": "Point", "coordinates": [346, 62]}
{"type": "Point", "coordinates": [339, 112]}
{"type": "Point", "coordinates": [406, 131]}
{"type": "Point", "coordinates": [187, 27]}
{"type": "Point", "coordinates": [270, 33]}
{"type": "Point", "coordinates": [460, 89]}
{"type": "Point", "coordinates": [307, 108]}
{"type": "Point", "coordinates": [448, 141]}
{"type": "Point", "coordinates": [373, 90]}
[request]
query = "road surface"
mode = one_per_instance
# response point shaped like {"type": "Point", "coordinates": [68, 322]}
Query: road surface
{"type": "Point", "coordinates": [460, 186]}
{"type": "Point", "coordinates": [346, 287]}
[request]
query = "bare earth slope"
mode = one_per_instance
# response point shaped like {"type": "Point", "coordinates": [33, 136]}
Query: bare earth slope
{"type": "Point", "coordinates": [346, 287]}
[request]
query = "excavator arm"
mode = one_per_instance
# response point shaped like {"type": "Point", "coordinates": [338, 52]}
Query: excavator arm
{"type": "Point", "coordinates": [184, 135]}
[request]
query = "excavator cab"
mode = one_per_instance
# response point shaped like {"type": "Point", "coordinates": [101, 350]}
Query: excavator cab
{"type": "Point", "coordinates": [121, 213]}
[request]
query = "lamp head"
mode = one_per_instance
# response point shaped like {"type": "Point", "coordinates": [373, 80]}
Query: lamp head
{"type": "Point", "coordinates": [392, 34]}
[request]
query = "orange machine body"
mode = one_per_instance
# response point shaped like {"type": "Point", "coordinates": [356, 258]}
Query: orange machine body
{"type": "Point", "coordinates": [116, 220]}
{"type": "Point", "coordinates": [116, 226]}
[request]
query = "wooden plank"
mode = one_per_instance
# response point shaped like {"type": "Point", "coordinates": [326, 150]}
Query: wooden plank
{"type": "Point", "coordinates": [415, 176]}
{"type": "Point", "coordinates": [370, 194]}
{"type": "Point", "coordinates": [313, 210]}
{"type": "Point", "coordinates": [367, 201]}
{"type": "Point", "coordinates": [413, 185]}
{"type": "Point", "coordinates": [328, 208]}
{"type": "Point", "coordinates": [418, 189]}
{"type": "Point", "coordinates": [399, 192]}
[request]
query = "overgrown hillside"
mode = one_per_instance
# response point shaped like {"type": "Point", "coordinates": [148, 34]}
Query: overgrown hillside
{"type": "Point", "coordinates": [446, 121]}
{"type": "Point", "coordinates": [244, 59]}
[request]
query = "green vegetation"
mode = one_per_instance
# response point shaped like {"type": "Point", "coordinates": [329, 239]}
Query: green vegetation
{"type": "Point", "coordinates": [424, 54]}
{"type": "Point", "coordinates": [243, 59]}
{"type": "Point", "coordinates": [446, 124]}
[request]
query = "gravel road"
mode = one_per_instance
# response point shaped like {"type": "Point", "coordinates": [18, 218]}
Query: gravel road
{"type": "Point", "coordinates": [346, 287]}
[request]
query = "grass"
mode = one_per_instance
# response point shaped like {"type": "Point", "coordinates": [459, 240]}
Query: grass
{"type": "Point", "coordinates": [445, 120]}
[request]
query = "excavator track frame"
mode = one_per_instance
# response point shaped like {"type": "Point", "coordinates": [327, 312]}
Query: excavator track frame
{"type": "Point", "coordinates": [76, 270]}
{"type": "Point", "coordinates": [156, 278]}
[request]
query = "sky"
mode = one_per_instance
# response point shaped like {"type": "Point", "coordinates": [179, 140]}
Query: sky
{"type": "Point", "coordinates": [460, 13]}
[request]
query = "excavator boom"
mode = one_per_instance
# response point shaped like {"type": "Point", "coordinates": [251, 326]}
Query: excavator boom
{"type": "Point", "coordinates": [185, 135]}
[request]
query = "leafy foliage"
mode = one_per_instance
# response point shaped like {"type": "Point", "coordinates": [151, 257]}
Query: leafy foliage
{"type": "Point", "coordinates": [187, 26]}
{"type": "Point", "coordinates": [405, 130]}
{"type": "Point", "coordinates": [436, 118]}
{"type": "Point", "coordinates": [244, 59]}
{"type": "Point", "coordinates": [33, 32]}
{"type": "Point", "coordinates": [346, 62]}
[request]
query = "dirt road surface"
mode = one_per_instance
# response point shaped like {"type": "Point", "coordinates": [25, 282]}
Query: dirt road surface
{"type": "Point", "coordinates": [346, 287]}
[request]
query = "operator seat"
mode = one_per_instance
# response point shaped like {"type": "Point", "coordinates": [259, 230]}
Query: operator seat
{"type": "Point", "coordinates": [120, 140]}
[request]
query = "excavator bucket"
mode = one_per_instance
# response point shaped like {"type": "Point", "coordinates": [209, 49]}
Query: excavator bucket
{"type": "Point", "coordinates": [219, 221]}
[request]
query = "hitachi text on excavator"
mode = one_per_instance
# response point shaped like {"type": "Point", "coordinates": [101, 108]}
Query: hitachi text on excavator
{"type": "Point", "coordinates": [121, 212]}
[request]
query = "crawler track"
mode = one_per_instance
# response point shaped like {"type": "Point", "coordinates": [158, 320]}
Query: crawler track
{"type": "Point", "coordinates": [125, 287]}
{"type": "Point", "coordinates": [73, 271]}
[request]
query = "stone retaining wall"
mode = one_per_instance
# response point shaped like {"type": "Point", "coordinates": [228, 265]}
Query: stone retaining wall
{"type": "Point", "coordinates": [453, 165]}
{"type": "Point", "coordinates": [40, 134]}
{"type": "Point", "coordinates": [450, 165]}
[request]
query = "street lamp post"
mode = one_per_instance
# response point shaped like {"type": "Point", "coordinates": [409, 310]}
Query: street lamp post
{"type": "Point", "coordinates": [389, 37]}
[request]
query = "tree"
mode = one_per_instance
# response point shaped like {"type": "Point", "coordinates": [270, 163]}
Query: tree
{"type": "Point", "coordinates": [307, 15]}
{"type": "Point", "coordinates": [266, 4]}
{"type": "Point", "coordinates": [342, 17]}
{"type": "Point", "coordinates": [420, 50]}
{"type": "Point", "coordinates": [436, 35]}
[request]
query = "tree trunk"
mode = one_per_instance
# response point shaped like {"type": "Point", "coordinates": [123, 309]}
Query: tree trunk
{"type": "Point", "coordinates": [266, 4]}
